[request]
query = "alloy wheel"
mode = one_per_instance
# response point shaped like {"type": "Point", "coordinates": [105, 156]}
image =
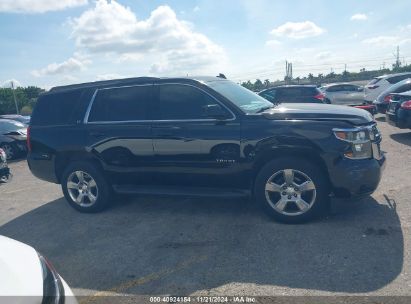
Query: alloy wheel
{"type": "Point", "coordinates": [82, 188]}
{"type": "Point", "coordinates": [290, 192]}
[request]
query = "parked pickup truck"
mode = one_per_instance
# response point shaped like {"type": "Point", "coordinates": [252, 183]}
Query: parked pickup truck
{"type": "Point", "coordinates": [202, 136]}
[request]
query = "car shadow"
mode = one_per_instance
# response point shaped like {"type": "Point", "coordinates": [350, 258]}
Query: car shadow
{"type": "Point", "coordinates": [152, 245]}
{"type": "Point", "coordinates": [380, 118]}
{"type": "Point", "coordinates": [402, 138]}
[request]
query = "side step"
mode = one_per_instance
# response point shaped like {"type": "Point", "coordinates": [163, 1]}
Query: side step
{"type": "Point", "coordinates": [180, 191]}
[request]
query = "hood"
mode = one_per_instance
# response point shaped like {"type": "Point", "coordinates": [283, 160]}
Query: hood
{"type": "Point", "coordinates": [313, 111]}
{"type": "Point", "coordinates": [20, 270]}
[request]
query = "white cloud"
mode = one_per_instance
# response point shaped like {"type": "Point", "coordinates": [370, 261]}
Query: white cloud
{"type": "Point", "coordinates": [73, 64]}
{"type": "Point", "coordinates": [8, 83]}
{"type": "Point", "coordinates": [323, 55]}
{"type": "Point", "coordinates": [298, 30]}
{"type": "Point", "coordinates": [38, 6]}
{"type": "Point", "coordinates": [383, 40]}
{"type": "Point", "coordinates": [273, 42]}
{"type": "Point", "coordinates": [110, 76]}
{"type": "Point", "coordinates": [171, 45]}
{"type": "Point", "coordinates": [196, 9]}
{"type": "Point", "coordinates": [359, 17]}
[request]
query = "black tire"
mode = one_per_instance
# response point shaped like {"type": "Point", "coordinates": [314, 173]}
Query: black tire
{"type": "Point", "coordinates": [104, 189]}
{"type": "Point", "coordinates": [320, 198]}
{"type": "Point", "coordinates": [327, 101]}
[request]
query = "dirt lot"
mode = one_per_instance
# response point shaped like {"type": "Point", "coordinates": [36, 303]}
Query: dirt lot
{"type": "Point", "coordinates": [152, 246]}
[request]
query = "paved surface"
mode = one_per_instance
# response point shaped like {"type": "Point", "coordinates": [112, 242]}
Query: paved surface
{"type": "Point", "coordinates": [149, 245]}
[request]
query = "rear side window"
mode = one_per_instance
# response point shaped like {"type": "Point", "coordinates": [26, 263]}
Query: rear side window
{"type": "Point", "coordinates": [297, 92]}
{"type": "Point", "coordinates": [183, 102]}
{"type": "Point", "coordinates": [121, 104]}
{"type": "Point", "coordinates": [405, 87]}
{"type": "Point", "coordinates": [56, 108]}
{"type": "Point", "coordinates": [396, 79]}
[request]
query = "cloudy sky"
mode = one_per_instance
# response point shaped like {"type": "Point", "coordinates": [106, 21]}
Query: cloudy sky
{"type": "Point", "coordinates": [47, 42]}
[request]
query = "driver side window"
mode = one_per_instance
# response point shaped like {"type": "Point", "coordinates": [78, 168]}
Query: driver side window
{"type": "Point", "coordinates": [183, 102]}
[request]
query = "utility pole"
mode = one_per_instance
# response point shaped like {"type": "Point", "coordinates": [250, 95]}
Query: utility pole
{"type": "Point", "coordinates": [14, 97]}
{"type": "Point", "coordinates": [397, 58]}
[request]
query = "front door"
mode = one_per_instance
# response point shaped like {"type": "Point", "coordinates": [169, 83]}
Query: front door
{"type": "Point", "coordinates": [190, 148]}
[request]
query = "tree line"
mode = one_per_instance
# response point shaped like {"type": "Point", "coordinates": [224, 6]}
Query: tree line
{"type": "Point", "coordinates": [26, 99]}
{"type": "Point", "coordinates": [321, 78]}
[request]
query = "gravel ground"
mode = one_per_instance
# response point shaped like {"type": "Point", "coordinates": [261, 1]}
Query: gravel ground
{"type": "Point", "coordinates": [159, 246]}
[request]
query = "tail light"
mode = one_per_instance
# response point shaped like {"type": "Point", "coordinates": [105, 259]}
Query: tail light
{"type": "Point", "coordinates": [372, 87]}
{"type": "Point", "coordinates": [28, 139]}
{"type": "Point", "coordinates": [387, 98]}
{"type": "Point", "coordinates": [320, 96]}
{"type": "Point", "coordinates": [406, 105]}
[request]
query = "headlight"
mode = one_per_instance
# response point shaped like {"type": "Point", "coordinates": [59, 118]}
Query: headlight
{"type": "Point", "coordinates": [53, 290]}
{"type": "Point", "coordinates": [359, 142]}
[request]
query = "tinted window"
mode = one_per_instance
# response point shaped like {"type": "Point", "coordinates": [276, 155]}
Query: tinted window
{"type": "Point", "coordinates": [269, 95]}
{"type": "Point", "coordinates": [403, 88]}
{"type": "Point", "coordinates": [56, 108]}
{"type": "Point", "coordinates": [351, 88]}
{"type": "Point", "coordinates": [396, 79]}
{"type": "Point", "coordinates": [121, 104]}
{"type": "Point", "coordinates": [183, 102]}
{"type": "Point", "coordinates": [297, 92]}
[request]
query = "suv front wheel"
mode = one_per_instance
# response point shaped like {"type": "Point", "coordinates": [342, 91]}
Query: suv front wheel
{"type": "Point", "coordinates": [292, 190]}
{"type": "Point", "coordinates": [85, 187]}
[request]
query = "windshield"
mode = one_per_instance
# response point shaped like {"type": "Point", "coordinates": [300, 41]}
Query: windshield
{"type": "Point", "coordinates": [8, 126]}
{"type": "Point", "coordinates": [243, 98]}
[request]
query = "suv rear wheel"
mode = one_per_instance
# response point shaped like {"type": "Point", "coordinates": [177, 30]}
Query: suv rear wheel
{"type": "Point", "coordinates": [85, 187]}
{"type": "Point", "coordinates": [292, 190]}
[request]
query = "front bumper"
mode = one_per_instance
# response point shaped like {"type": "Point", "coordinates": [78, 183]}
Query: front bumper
{"type": "Point", "coordinates": [400, 119]}
{"type": "Point", "coordinates": [356, 178]}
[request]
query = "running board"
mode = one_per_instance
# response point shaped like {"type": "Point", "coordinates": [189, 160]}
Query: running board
{"type": "Point", "coordinates": [181, 191]}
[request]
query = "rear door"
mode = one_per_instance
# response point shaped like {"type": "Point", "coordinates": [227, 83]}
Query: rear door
{"type": "Point", "coordinates": [190, 148]}
{"type": "Point", "coordinates": [336, 94]}
{"type": "Point", "coordinates": [119, 132]}
{"type": "Point", "coordinates": [354, 95]}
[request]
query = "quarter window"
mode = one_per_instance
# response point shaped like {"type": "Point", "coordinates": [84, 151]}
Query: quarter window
{"type": "Point", "coordinates": [183, 102]}
{"type": "Point", "coordinates": [121, 104]}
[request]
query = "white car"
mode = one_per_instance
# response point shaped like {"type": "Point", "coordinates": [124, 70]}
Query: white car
{"type": "Point", "coordinates": [379, 84]}
{"type": "Point", "coordinates": [28, 277]}
{"type": "Point", "coordinates": [343, 94]}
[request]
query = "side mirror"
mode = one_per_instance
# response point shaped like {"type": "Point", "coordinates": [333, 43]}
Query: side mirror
{"type": "Point", "coordinates": [360, 89]}
{"type": "Point", "coordinates": [215, 111]}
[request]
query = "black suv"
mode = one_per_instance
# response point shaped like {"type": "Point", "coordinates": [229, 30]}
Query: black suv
{"type": "Point", "coordinates": [294, 94]}
{"type": "Point", "coordinates": [202, 136]}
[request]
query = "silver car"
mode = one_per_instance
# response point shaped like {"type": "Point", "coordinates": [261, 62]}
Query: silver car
{"type": "Point", "coordinates": [343, 94]}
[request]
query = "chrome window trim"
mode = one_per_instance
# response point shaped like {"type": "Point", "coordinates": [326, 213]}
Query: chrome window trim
{"type": "Point", "coordinates": [86, 117]}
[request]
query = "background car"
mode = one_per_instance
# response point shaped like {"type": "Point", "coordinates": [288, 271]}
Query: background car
{"type": "Point", "coordinates": [13, 136]}
{"type": "Point", "coordinates": [376, 86]}
{"type": "Point", "coordinates": [4, 169]}
{"type": "Point", "coordinates": [343, 94]}
{"type": "Point", "coordinates": [399, 110]}
{"type": "Point", "coordinates": [20, 118]}
{"type": "Point", "coordinates": [26, 273]}
{"type": "Point", "coordinates": [383, 99]}
{"type": "Point", "coordinates": [293, 94]}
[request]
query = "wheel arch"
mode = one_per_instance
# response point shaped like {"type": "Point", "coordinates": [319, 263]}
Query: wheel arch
{"type": "Point", "coordinates": [306, 154]}
{"type": "Point", "coordinates": [64, 159]}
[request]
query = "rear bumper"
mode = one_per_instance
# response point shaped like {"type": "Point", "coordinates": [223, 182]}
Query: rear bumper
{"type": "Point", "coordinates": [400, 119]}
{"type": "Point", "coordinates": [356, 178]}
{"type": "Point", "coordinates": [42, 168]}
